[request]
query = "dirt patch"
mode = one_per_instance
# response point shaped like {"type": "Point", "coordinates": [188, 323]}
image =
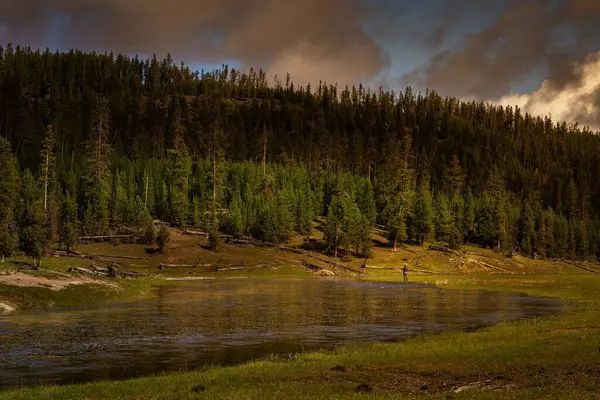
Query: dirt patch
{"type": "Point", "coordinates": [399, 380]}
{"type": "Point", "coordinates": [24, 280]}
{"type": "Point", "coordinates": [574, 330]}
{"type": "Point", "coordinates": [6, 308]}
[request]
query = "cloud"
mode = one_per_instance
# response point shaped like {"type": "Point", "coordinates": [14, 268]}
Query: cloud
{"type": "Point", "coordinates": [314, 39]}
{"type": "Point", "coordinates": [577, 100]}
{"type": "Point", "coordinates": [528, 34]}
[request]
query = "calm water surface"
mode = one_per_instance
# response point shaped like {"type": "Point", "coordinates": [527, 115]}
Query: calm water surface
{"type": "Point", "coordinates": [231, 321]}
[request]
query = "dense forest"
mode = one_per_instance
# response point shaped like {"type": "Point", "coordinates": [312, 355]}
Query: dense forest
{"type": "Point", "coordinates": [92, 144]}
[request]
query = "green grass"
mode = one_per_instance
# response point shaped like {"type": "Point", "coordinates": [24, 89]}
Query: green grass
{"type": "Point", "coordinates": [552, 357]}
{"type": "Point", "coordinates": [38, 298]}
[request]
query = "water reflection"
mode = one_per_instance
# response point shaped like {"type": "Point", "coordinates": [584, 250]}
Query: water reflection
{"type": "Point", "coordinates": [231, 321]}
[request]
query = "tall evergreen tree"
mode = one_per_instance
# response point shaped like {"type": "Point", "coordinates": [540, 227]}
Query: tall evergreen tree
{"type": "Point", "coordinates": [68, 222]}
{"type": "Point", "coordinates": [422, 226]}
{"type": "Point", "coordinates": [443, 218]}
{"type": "Point", "coordinates": [178, 173]}
{"type": "Point", "coordinates": [31, 219]}
{"type": "Point", "coordinates": [457, 211]}
{"type": "Point", "coordinates": [98, 150]}
{"type": "Point", "coordinates": [454, 178]}
{"type": "Point", "coordinates": [9, 192]}
{"type": "Point", "coordinates": [527, 228]}
{"type": "Point", "coordinates": [398, 193]}
{"type": "Point", "coordinates": [469, 216]}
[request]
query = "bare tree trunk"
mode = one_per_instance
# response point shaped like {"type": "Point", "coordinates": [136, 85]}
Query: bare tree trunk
{"type": "Point", "coordinates": [264, 160]}
{"type": "Point", "coordinates": [336, 246]}
{"type": "Point", "coordinates": [146, 192]}
{"type": "Point", "coordinates": [46, 181]}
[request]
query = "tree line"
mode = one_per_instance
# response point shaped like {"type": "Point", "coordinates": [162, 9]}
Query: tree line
{"type": "Point", "coordinates": [97, 143]}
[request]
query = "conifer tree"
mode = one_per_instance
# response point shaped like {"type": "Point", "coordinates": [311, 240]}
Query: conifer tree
{"type": "Point", "coordinates": [365, 199]}
{"type": "Point", "coordinates": [31, 217]}
{"type": "Point", "coordinates": [304, 212]}
{"type": "Point", "coordinates": [457, 230]}
{"type": "Point", "coordinates": [495, 186]}
{"type": "Point", "coordinates": [398, 195]}
{"type": "Point", "coordinates": [48, 178]}
{"type": "Point", "coordinates": [9, 192]}
{"type": "Point", "coordinates": [68, 222]}
{"type": "Point", "coordinates": [97, 151]}
{"type": "Point", "coordinates": [235, 220]}
{"type": "Point", "coordinates": [334, 232]}
{"type": "Point", "coordinates": [443, 218]}
{"type": "Point", "coordinates": [469, 216]}
{"type": "Point", "coordinates": [454, 179]}
{"type": "Point", "coordinates": [162, 238]}
{"type": "Point", "coordinates": [527, 228]}
{"type": "Point", "coordinates": [422, 226]}
{"type": "Point", "coordinates": [561, 235]}
{"type": "Point", "coordinates": [178, 172]}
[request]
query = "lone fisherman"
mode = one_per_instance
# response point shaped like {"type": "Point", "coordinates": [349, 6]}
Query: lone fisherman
{"type": "Point", "coordinates": [405, 272]}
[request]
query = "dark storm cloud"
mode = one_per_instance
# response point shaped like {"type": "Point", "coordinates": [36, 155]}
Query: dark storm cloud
{"type": "Point", "coordinates": [526, 35]}
{"type": "Point", "coordinates": [309, 38]}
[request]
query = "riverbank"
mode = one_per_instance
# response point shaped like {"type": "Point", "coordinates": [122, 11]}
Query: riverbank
{"type": "Point", "coordinates": [553, 357]}
{"type": "Point", "coordinates": [188, 257]}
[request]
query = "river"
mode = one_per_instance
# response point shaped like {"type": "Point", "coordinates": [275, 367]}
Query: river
{"type": "Point", "coordinates": [229, 321]}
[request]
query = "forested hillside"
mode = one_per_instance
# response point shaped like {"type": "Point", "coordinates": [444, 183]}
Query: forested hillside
{"type": "Point", "coordinates": [93, 144]}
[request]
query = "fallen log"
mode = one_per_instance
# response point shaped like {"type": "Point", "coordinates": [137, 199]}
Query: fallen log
{"type": "Point", "coordinates": [195, 233]}
{"type": "Point", "coordinates": [167, 266]}
{"type": "Point", "coordinates": [85, 271]}
{"type": "Point", "coordinates": [309, 254]}
{"type": "Point", "coordinates": [115, 256]}
{"type": "Point", "coordinates": [311, 267]}
{"type": "Point", "coordinates": [580, 266]}
{"type": "Point", "coordinates": [442, 249]}
{"type": "Point", "coordinates": [232, 269]}
{"type": "Point", "coordinates": [130, 274]}
{"type": "Point", "coordinates": [106, 237]}
{"type": "Point", "coordinates": [374, 267]}
{"type": "Point", "coordinates": [490, 266]}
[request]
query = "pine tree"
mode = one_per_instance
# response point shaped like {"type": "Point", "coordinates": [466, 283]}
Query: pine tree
{"type": "Point", "coordinates": [469, 216]}
{"type": "Point", "coordinates": [162, 238]}
{"type": "Point", "coordinates": [149, 232]}
{"type": "Point", "coordinates": [334, 225]}
{"type": "Point", "coordinates": [560, 231]}
{"type": "Point", "coordinates": [365, 199]}
{"type": "Point", "coordinates": [454, 178]}
{"type": "Point", "coordinates": [178, 173]}
{"type": "Point", "coordinates": [527, 228]}
{"type": "Point", "coordinates": [97, 151]}
{"type": "Point", "coordinates": [549, 223]}
{"type": "Point", "coordinates": [443, 218]}
{"type": "Point", "coordinates": [48, 178]}
{"type": "Point", "coordinates": [9, 192]}
{"type": "Point", "coordinates": [457, 210]}
{"type": "Point", "coordinates": [422, 226]}
{"type": "Point", "coordinates": [495, 186]}
{"type": "Point", "coordinates": [304, 212]}
{"type": "Point", "coordinates": [31, 217]}
{"type": "Point", "coordinates": [398, 195]}
{"type": "Point", "coordinates": [68, 222]}
{"type": "Point", "coordinates": [195, 212]}
{"type": "Point", "coordinates": [235, 221]}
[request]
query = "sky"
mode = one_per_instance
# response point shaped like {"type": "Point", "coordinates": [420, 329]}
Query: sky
{"type": "Point", "coordinates": [538, 54]}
